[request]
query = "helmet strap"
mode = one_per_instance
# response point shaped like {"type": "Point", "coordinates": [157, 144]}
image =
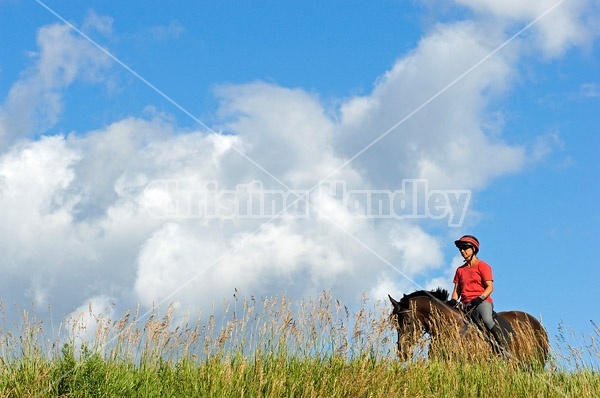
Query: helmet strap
{"type": "Point", "coordinates": [471, 257]}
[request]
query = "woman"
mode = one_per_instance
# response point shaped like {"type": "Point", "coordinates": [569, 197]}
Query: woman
{"type": "Point", "coordinates": [474, 284]}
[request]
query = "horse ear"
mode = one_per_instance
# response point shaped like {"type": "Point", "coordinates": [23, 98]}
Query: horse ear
{"type": "Point", "coordinates": [394, 302]}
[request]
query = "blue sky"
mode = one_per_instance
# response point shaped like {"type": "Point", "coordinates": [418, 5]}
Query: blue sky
{"type": "Point", "coordinates": [291, 94]}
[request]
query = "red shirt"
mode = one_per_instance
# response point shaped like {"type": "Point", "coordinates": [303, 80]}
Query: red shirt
{"type": "Point", "coordinates": [471, 280]}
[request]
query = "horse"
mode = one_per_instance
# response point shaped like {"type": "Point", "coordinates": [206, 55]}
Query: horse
{"type": "Point", "coordinates": [427, 312]}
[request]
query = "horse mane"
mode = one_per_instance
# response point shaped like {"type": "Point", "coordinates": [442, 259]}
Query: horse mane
{"type": "Point", "coordinates": [439, 293]}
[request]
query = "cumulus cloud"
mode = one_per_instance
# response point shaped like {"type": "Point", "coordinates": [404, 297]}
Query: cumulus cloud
{"type": "Point", "coordinates": [119, 213]}
{"type": "Point", "coordinates": [559, 24]}
{"type": "Point", "coordinates": [38, 236]}
{"type": "Point", "coordinates": [424, 116]}
{"type": "Point", "coordinates": [87, 322]}
{"type": "Point", "coordinates": [34, 103]}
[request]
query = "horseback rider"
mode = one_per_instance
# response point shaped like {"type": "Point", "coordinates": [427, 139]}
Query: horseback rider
{"type": "Point", "coordinates": [473, 284]}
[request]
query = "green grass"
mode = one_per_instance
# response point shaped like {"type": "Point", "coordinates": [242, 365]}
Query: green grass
{"type": "Point", "coordinates": [267, 349]}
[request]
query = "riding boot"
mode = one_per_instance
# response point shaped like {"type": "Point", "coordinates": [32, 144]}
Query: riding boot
{"type": "Point", "coordinates": [502, 344]}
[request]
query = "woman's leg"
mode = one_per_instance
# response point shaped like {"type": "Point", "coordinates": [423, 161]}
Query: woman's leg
{"type": "Point", "coordinates": [485, 311]}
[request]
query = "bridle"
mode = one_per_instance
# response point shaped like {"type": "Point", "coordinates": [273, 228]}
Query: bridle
{"type": "Point", "coordinates": [397, 314]}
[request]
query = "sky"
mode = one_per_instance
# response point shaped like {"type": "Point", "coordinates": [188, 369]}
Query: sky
{"type": "Point", "coordinates": [155, 153]}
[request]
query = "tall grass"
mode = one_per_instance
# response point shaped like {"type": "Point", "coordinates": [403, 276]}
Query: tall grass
{"type": "Point", "coordinates": [272, 347]}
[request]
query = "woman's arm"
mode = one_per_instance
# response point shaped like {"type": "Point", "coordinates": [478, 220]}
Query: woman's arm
{"type": "Point", "coordinates": [455, 292]}
{"type": "Point", "coordinates": [489, 288]}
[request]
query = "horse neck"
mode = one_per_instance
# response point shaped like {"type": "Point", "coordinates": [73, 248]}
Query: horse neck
{"type": "Point", "coordinates": [422, 309]}
{"type": "Point", "coordinates": [425, 308]}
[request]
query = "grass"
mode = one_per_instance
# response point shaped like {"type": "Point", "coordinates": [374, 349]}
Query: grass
{"type": "Point", "coordinates": [267, 348]}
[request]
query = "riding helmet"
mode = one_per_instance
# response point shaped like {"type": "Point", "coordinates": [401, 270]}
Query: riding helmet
{"type": "Point", "coordinates": [468, 241]}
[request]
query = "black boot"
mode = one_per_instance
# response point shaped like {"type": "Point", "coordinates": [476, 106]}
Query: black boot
{"type": "Point", "coordinates": [502, 343]}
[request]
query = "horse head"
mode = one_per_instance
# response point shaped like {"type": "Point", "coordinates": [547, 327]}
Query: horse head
{"type": "Point", "coordinates": [400, 311]}
{"type": "Point", "coordinates": [411, 316]}
{"type": "Point", "coordinates": [403, 319]}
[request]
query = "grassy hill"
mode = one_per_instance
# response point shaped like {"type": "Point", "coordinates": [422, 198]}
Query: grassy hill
{"type": "Point", "coordinates": [270, 348]}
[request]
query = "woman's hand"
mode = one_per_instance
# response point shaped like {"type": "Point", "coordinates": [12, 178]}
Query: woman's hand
{"type": "Point", "coordinates": [476, 301]}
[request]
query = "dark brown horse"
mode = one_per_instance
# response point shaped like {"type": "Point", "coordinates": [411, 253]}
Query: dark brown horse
{"type": "Point", "coordinates": [427, 312]}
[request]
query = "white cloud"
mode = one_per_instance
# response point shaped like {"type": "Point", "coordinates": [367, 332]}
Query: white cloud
{"type": "Point", "coordinates": [34, 103]}
{"type": "Point", "coordinates": [587, 91]}
{"type": "Point", "coordinates": [544, 145]}
{"type": "Point", "coordinates": [173, 30]}
{"type": "Point", "coordinates": [77, 210]}
{"type": "Point", "coordinates": [433, 128]}
{"type": "Point", "coordinates": [562, 24]}
{"type": "Point", "coordinates": [284, 131]}
{"type": "Point", "coordinates": [419, 250]}
{"type": "Point", "coordinates": [102, 216]}
{"type": "Point", "coordinates": [36, 209]}
{"type": "Point", "coordinates": [99, 23]}
{"type": "Point", "coordinates": [89, 323]}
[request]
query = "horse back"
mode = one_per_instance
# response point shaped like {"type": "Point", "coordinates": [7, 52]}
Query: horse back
{"type": "Point", "coordinates": [516, 318]}
{"type": "Point", "coordinates": [527, 328]}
